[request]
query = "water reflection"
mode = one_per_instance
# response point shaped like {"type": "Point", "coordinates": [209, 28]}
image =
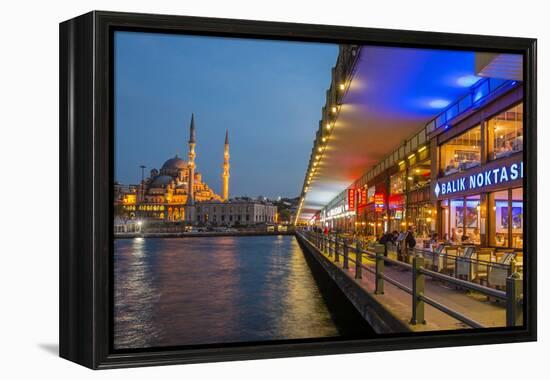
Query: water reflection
{"type": "Point", "coordinates": [171, 292]}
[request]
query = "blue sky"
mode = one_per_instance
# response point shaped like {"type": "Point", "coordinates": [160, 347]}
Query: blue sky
{"type": "Point", "coordinates": [269, 94]}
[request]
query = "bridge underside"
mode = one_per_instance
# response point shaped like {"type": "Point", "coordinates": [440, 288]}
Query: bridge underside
{"type": "Point", "coordinates": [393, 93]}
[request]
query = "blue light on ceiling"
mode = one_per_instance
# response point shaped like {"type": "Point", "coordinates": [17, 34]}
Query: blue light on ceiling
{"type": "Point", "coordinates": [439, 103]}
{"type": "Point", "coordinates": [467, 80]}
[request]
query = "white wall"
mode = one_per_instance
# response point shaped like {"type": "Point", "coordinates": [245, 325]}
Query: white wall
{"type": "Point", "coordinates": [29, 141]}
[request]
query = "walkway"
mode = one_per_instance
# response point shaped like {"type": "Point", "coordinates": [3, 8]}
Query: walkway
{"type": "Point", "coordinates": [398, 302]}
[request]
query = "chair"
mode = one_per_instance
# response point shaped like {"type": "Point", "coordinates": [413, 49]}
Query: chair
{"type": "Point", "coordinates": [447, 261]}
{"type": "Point", "coordinates": [499, 273]}
{"type": "Point", "coordinates": [465, 264]}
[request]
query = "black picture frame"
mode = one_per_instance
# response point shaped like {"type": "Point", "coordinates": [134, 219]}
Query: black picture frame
{"type": "Point", "coordinates": [86, 179]}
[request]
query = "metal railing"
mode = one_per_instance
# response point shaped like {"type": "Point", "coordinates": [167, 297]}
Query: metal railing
{"type": "Point", "coordinates": [335, 246]}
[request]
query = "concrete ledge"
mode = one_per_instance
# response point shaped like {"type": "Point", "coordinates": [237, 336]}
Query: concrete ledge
{"type": "Point", "coordinates": [378, 316]}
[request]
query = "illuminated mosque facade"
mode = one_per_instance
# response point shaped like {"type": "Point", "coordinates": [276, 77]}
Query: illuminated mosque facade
{"type": "Point", "coordinates": [171, 193]}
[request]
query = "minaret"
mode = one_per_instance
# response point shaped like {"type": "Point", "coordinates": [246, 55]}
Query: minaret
{"type": "Point", "coordinates": [189, 210]}
{"type": "Point", "coordinates": [225, 174]}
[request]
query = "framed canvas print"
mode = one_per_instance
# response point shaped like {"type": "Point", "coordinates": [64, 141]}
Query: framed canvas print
{"type": "Point", "coordinates": [238, 189]}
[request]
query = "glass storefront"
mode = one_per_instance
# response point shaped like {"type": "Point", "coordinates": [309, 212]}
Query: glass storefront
{"type": "Point", "coordinates": [461, 220]}
{"type": "Point", "coordinates": [422, 217]}
{"type": "Point", "coordinates": [397, 183]}
{"type": "Point", "coordinates": [462, 152]}
{"type": "Point", "coordinates": [506, 218]}
{"type": "Point", "coordinates": [419, 176]}
{"type": "Point", "coordinates": [507, 131]}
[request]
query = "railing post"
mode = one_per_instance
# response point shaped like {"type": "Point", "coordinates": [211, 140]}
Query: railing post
{"type": "Point", "coordinates": [379, 285]}
{"type": "Point", "coordinates": [336, 253]}
{"type": "Point", "coordinates": [417, 291]}
{"type": "Point", "coordinates": [330, 246]}
{"type": "Point", "coordinates": [346, 254]}
{"type": "Point", "coordinates": [358, 260]}
{"type": "Point", "coordinates": [514, 292]}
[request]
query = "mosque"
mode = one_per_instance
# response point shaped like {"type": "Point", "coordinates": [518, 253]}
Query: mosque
{"type": "Point", "coordinates": [171, 193]}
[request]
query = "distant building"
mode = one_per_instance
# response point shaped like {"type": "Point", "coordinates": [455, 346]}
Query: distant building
{"type": "Point", "coordinates": [236, 212]}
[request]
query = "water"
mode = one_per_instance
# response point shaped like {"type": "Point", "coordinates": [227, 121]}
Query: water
{"type": "Point", "coordinates": [215, 290]}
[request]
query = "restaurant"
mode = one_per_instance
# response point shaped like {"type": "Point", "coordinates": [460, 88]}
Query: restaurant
{"type": "Point", "coordinates": [477, 175]}
{"type": "Point", "coordinates": [460, 177]}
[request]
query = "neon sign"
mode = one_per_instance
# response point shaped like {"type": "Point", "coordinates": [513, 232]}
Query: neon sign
{"type": "Point", "coordinates": [379, 202]}
{"type": "Point", "coordinates": [351, 199]}
{"type": "Point", "coordinates": [370, 194]}
{"type": "Point", "coordinates": [484, 178]}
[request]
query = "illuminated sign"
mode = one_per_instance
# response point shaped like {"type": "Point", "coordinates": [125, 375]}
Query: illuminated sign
{"type": "Point", "coordinates": [489, 177]}
{"type": "Point", "coordinates": [362, 197]}
{"type": "Point", "coordinates": [379, 202]}
{"type": "Point", "coordinates": [370, 194]}
{"type": "Point", "coordinates": [396, 201]}
{"type": "Point", "coordinates": [336, 211]}
{"type": "Point", "coordinates": [351, 199]}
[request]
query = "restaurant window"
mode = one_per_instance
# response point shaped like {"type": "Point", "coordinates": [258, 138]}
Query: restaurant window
{"type": "Point", "coordinates": [457, 220]}
{"type": "Point", "coordinates": [507, 131]}
{"type": "Point", "coordinates": [461, 220]}
{"type": "Point", "coordinates": [421, 216]}
{"type": "Point", "coordinates": [397, 183]}
{"type": "Point", "coordinates": [461, 153]}
{"type": "Point", "coordinates": [472, 220]}
{"type": "Point", "coordinates": [506, 227]}
{"type": "Point", "coordinates": [419, 176]}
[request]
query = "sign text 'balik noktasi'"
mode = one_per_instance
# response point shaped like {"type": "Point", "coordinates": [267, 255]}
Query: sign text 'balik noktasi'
{"type": "Point", "coordinates": [479, 180]}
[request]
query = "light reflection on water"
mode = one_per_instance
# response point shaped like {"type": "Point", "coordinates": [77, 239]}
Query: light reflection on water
{"type": "Point", "coordinates": [171, 292]}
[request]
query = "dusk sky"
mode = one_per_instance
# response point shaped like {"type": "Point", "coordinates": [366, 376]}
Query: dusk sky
{"type": "Point", "coordinates": [269, 94]}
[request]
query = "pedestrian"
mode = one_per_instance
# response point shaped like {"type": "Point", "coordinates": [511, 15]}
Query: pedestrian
{"type": "Point", "coordinates": [410, 242]}
{"type": "Point", "coordinates": [387, 238]}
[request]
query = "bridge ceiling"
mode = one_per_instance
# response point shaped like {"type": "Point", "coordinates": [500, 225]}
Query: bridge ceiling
{"type": "Point", "coordinates": [394, 92]}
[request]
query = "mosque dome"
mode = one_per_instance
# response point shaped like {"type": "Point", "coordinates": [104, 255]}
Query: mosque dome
{"type": "Point", "coordinates": [161, 181]}
{"type": "Point", "coordinates": [175, 163]}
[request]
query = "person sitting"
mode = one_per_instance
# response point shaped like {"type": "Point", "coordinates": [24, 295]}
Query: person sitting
{"type": "Point", "coordinates": [454, 237]}
{"type": "Point", "coordinates": [434, 240]}
{"type": "Point", "coordinates": [475, 237]}
{"type": "Point", "coordinates": [451, 167]}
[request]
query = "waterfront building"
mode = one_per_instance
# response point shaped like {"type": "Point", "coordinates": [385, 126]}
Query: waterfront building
{"type": "Point", "coordinates": [458, 173]}
{"type": "Point", "coordinates": [172, 193]}
{"type": "Point", "coordinates": [236, 212]}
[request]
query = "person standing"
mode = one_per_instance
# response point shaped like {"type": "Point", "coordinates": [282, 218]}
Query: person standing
{"type": "Point", "coordinates": [410, 242]}
{"type": "Point", "coordinates": [385, 239]}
